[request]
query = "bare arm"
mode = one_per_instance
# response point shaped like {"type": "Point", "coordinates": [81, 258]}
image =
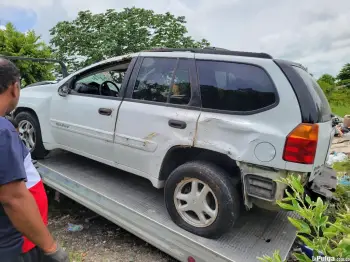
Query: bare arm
{"type": "Point", "coordinates": [23, 212]}
{"type": "Point", "coordinates": [339, 129]}
{"type": "Point", "coordinates": [15, 198]}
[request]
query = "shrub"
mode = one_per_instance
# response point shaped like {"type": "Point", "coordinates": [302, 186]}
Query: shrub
{"type": "Point", "coordinates": [314, 228]}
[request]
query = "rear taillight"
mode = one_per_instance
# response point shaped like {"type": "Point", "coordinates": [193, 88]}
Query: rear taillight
{"type": "Point", "coordinates": [301, 144]}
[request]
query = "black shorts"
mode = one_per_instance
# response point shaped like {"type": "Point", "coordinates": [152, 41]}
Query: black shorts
{"type": "Point", "coordinates": [34, 255]}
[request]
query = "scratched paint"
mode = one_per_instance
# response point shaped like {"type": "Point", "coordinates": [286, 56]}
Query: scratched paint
{"type": "Point", "coordinates": [150, 136]}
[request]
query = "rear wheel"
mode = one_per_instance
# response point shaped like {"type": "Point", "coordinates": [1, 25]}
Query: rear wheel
{"type": "Point", "coordinates": [201, 198]}
{"type": "Point", "coordinates": [30, 133]}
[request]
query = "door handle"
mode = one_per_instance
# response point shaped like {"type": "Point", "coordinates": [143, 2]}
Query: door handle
{"type": "Point", "coordinates": [177, 124]}
{"type": "Point", "coordinates": [105, 111]}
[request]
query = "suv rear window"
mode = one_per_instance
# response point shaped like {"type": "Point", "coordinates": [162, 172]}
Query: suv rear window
{"type": "Point", "coordinates": [234, 87]}
{"type": "Point", "coordinates": [317, 94]}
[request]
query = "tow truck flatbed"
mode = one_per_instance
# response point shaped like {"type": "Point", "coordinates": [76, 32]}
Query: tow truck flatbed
{"type": "Point", "coordinates": [132, 203]}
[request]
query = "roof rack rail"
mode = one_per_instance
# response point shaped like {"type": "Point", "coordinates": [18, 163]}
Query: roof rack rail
{"type": "Point", "coordinates": [212, 50]}
{"type": "Point", "coordinates": [215, 48]}
{"type": "Point", "coordinates": [34, 59]}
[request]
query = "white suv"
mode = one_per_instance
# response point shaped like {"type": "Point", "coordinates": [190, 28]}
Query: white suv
{"type": "Point", "coordinates": [214, 127]}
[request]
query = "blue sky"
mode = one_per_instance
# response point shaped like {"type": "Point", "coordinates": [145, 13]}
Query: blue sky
{"type": "Point", "coordinates": [315, 33]}
{"type": "Point", "coordinates": [22, 18]}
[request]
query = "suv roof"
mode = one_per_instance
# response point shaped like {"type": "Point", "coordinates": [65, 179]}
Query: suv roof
{"type": "Point", "coordinates": [212, 50]}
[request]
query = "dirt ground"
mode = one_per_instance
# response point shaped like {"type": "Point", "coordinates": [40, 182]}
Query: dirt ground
{"type": "Point", "coordinates": [341, 144]}
{"type": "Point", "coordinates": [100, 240]}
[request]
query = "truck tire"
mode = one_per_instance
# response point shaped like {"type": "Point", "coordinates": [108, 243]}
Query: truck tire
{"type": "Point", "coordinates": [216, 206]}
{"type": "Point", "coordinates": [28, 125]}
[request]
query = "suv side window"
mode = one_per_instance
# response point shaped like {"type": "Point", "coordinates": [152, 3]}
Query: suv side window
{"type": "Point", "coordinates": [154, 79]}
{"type": "Point", "coordinates": [102, 83]}
{"type": "Point", "coordinates": [180, 92]}
{"type": "Point", "coordinates": [165, 80]}
{"type": "Point", "coordinates": [234, 86]}
{"type": "Point", "coordinates": [317, 94]}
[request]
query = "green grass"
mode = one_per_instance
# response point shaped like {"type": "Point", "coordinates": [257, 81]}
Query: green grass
{"type": "Point", "coordinates": [342, 166]}
{"type": "Point", "coordinates": [75, 257]}
{"type": "Point", "coordinates": [340, 110]}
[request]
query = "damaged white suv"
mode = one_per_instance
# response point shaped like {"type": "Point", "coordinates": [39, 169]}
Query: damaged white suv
{"type": "Point", "coordinates": [214, 127]}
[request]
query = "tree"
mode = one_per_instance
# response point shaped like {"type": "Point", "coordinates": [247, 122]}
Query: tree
{"type": "Point", "coordinates": [326, 87]}
{"type": "Point", "coordinates": [344, 75]}
{"type": "Point", "coordinates": [94, 37]}
{"type": "Point", "coordinates": [15, 43]}
{"type": "Point", "coordinates": [327, 78]}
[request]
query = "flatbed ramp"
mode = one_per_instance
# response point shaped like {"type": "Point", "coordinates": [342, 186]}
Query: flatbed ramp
{"type": "Point", "coordinates": [132, 203]}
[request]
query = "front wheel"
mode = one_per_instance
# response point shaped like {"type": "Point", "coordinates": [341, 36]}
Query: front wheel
{"type": "Point", "coordinates": [201, 198]}
{"type": "Point", "coordinates": [30, 134]}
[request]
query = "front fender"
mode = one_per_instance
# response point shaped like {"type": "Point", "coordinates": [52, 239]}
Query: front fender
{"type": "Point", "coordinates": [37, 99]}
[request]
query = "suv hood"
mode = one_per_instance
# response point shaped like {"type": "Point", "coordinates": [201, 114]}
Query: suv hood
{"type": "Point", "coordinates": [40, 88]}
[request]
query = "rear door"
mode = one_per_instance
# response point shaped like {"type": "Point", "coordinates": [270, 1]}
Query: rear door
{"type": "Point", "coordinates": [160, 111]}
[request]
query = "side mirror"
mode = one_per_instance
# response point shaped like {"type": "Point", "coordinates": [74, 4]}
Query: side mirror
{"type": "Point", "coordinates": [63, 90]}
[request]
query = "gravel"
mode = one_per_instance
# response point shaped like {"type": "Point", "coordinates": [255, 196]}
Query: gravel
{"type": "Point", "coordinates": [100, 240]}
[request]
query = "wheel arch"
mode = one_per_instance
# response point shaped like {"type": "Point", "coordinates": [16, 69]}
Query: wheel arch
{"type": "Point", "coordinates": [25, 109]}
{"type": "Point", "coordinates": [19, 110]}
{"type": "Point", "coordinates": [38, 151]}
{"type": "Point", "coordinates": [178, 155]}
{"type": "Point", "coordinates": [46, 136]}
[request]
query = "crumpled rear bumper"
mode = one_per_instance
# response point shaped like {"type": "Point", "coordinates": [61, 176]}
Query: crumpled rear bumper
{"type": "Point", "coordinates": [325, 182]}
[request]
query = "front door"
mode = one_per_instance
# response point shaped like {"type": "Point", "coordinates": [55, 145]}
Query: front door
{"type": "Point", "coordinates": [84, 121]}
{"type": "Point", "coordinates": [160, 111]}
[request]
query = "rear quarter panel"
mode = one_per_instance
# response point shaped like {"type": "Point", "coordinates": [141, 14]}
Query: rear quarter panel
{"type": "Point", "coordinates": [239, 135]}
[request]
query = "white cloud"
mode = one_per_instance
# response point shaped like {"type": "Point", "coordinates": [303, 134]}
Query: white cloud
{"type": "Point", "coordinates": [313, 32]}
{"type": "Point", "coordinates": [2, 27]}
{"type": "Point", "coordinates": [27, 4]}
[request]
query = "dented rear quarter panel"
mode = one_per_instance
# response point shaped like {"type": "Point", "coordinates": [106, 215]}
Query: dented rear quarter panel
{"type": "Point", "coordinates": [238, 135]}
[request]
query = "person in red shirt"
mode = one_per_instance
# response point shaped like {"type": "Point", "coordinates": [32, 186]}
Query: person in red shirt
{"type": "Point", "coordinates": [36, 188]}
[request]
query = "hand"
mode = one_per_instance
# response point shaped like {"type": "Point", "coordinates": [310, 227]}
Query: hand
{"type": "Point", "coordinates": [57, 256]}
{"type": "Point", "coordinates": [339, 131]}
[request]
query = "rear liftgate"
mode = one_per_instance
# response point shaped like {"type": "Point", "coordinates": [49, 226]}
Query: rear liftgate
{"type": "Point", "coordinates": [132, 203]}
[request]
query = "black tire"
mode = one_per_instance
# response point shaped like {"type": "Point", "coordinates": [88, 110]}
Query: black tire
{"type": "Point", "coordinates": [39, 151]}
{"type": "Point", "coordinates": [218, 180]}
